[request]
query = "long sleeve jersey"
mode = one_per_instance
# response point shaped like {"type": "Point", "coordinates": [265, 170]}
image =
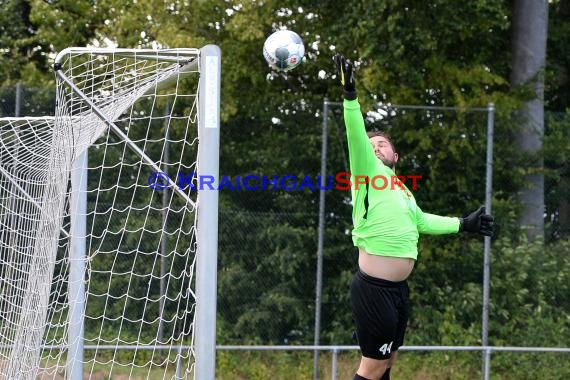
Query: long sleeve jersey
{"type": "Point", "coordinates": [387, 221]}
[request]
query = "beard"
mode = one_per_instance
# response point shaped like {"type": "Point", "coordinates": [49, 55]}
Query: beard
{"type": "Point", "coordinates": [388, 162]}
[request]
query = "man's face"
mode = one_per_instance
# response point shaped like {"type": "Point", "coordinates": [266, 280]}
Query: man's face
{"type": "Point", "coordinates": [384, 151]}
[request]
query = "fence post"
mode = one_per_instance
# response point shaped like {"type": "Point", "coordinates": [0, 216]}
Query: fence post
{"type": "Point", "coordinates": [334, 363]}
{"type": "Point", "coordinates": [487, 363]}
{"type": "Point", "coordinates": [18, 102]}
{"type": "Point", "coordinates": [487, 241]}
{"type": "Point", "coordinates": [321, 238]}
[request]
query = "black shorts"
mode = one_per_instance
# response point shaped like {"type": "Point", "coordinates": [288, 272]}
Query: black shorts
{"type": "Point", "coordinates": [380, 310]}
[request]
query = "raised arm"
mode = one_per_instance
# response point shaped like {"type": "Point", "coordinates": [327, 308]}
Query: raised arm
{"type": "Point", "coordinates": [360, 150]}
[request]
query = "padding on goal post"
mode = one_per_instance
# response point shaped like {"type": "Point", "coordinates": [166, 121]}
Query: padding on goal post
{"type": "Point", "coordinates": [108, 242]}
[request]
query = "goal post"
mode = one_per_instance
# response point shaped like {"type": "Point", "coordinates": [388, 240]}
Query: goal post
{"type": "Point", "coordinates": [107, 264]}
{"type": "Point", "coordinates": [208, 164]}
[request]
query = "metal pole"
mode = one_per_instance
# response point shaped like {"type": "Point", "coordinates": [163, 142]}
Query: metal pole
{"type": "Point", "coordinates": [164, 237]}
{"type": "Point", "coordinates": [77, 263]}
{"type": "Point", "coordinates": [207, 220]}
{"type": "Point", "coordinates": [18, 105]}
{"type": "Point", "coordinates": [487, 364]}
{"type": "Point", "coordinates": [321, 237]}
{"type": "Point", "coordinates": [334, 363]}
{"type": "Point", "coordinates": [487, 241]}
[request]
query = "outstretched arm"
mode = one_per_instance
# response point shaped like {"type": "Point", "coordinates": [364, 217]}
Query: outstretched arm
{"type": "Point", "coordinates": [436, 225]}
{"type": "Point", "coordinates": [477, 222]}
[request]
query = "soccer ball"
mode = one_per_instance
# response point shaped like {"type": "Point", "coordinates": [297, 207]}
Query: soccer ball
{"type": "Point", "coordinates": [283, 50]}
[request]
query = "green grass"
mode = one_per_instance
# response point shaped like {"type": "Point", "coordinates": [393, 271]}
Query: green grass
{"type": "Point", "coordinates": [292, 365]}
{"type": "Point", "coordinates": [257, 365]}
{"type": "Point", "coordinates": [412, 365]}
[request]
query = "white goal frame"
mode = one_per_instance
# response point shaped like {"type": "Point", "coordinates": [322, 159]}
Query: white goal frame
{"type": "Point", "coordinates": [207, 209]}
{"type": "Point", "coordinates": [207, 62]}
{"type": "Point", "coordinates": [207, 206]}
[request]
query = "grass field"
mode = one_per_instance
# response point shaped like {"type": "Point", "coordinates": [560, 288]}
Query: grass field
{"type": "Point", "coordinates": [279, 365]}
{"type": "Point", "coordinates": [298, 365]}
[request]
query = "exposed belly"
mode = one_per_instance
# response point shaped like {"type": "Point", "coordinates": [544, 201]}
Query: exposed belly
{"type": "Point", "coordinates": [385, 267]}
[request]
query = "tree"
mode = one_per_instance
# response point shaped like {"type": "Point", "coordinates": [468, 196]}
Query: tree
{"type": "Point", "coordinates": [530, 20]}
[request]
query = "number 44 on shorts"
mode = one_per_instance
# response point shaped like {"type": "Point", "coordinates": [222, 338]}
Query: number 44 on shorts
{"type": "Point", "coordinates": [386, 348]}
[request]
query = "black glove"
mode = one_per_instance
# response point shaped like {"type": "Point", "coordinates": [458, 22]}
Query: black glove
{"type": "Point", "coordinates": [346, 71]}
{"type": "Point", "coordinates": [478, 222]}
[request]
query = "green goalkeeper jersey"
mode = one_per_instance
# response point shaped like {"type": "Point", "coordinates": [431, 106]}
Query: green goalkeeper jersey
{"type": "Point", "coordinates": [387, 221]}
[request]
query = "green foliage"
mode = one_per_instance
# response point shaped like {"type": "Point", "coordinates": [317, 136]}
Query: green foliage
{"type": "Point", "coordinates": [424, 53]}
{"type": "Point", "coordinates": [530, 296]}
{"type": "Point", "coordinates": [557, 89]}
{"type": "Point", "coordinates": [557, 173]}
{"type": "Point", "coordinates": [23, 54]}
{"type": "Point", "coordinates": [249, 264]}
{"type": "Point", "coordinates": [530, 307]}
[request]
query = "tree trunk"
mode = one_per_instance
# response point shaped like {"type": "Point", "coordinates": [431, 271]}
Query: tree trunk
{"type": "Point", "coordinates": [530, 21]}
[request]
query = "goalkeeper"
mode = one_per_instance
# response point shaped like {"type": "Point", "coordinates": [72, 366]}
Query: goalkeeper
{"type": "Point", "coordinates": [387, 224]}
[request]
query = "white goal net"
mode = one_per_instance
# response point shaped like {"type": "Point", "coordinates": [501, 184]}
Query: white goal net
{"type": "Point", "coordinates": [107, 242]}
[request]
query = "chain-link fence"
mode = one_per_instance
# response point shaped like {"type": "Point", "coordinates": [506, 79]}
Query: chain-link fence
{"type": "Point", "coordinates": [278, 286]}
{"type": "Point", "coordinates": [269, 243]}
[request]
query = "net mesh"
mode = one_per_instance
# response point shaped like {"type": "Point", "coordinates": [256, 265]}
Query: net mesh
{"type": "Point", "coordinates": [131, 114]}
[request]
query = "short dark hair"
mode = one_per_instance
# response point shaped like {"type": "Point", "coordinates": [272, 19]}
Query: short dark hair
{"type": "Point", "coordinates": [381, 134]}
